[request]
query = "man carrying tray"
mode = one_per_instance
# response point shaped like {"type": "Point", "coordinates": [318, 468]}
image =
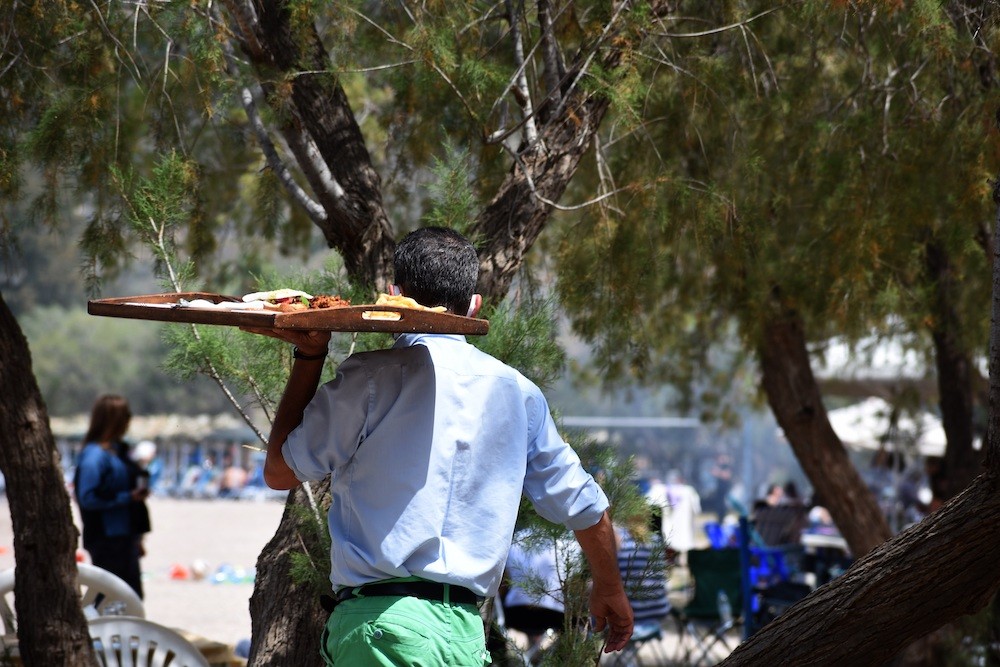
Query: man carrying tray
{"type": "Point", "coordinates": [430, 445]}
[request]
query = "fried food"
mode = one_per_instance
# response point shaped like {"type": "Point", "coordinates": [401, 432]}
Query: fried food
{"type": "Point", "coordinates": [327, 301]}
{"type": "Point", "coordinates": [405, 302]}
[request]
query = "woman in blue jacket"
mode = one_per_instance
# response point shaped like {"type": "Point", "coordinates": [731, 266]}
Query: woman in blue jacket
{"type": "Point", "coordinates": [104, 493]}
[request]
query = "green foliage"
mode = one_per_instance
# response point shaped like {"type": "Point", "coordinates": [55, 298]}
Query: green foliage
{"type": "Point", "coordinates": [575, 645]}
{"type": "Point", "coordinates": [311, 566]}
{"type": "Point", "coordinates": [454, 203]}
{"type": "Point", "coordinates": [784, 165]}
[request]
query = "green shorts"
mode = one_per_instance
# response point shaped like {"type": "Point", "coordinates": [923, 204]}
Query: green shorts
{"type": "Point", "coordinates": [404, 632]}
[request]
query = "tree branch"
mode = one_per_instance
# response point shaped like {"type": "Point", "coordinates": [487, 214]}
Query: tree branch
{"type": "Point", "coordinates": [555, 69]}
{"type": "Point", "coordinates": [314, 210]}
{"type": "Point", "coordinates": [725, 28]}
{"type": "Point", "coordinates": [520, 87]}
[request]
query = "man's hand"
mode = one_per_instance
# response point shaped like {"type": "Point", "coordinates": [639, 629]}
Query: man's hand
{"type": "Point", "coordinates": [609, 607]}
{"type": "Point", "coordinates": [611, 610]}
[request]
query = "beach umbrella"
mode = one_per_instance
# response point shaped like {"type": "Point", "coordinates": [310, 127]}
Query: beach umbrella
{"type": "Point", "coordinates": [867, 426]}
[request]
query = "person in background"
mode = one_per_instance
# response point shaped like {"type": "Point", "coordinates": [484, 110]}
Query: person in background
{"type": "Point", "coordinates": [780, 518]}
{"type": "Point", "coordinates": [643, 563]}
{"type": "Point", "coordinates": [679, 504]}
{"type": "Point", "coordinates": [104, 493]}
{"type": "Point", "coordinates": [429, 446]}
{"type": "Point", "coordinates": [144, 454]}
{"type": "Point", "coordinates": [233, 478]}
{"type": "Point", "coordinates": [723, 479]}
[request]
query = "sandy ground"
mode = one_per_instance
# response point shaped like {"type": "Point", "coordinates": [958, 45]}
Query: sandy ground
{"type": "Point", "coordinates": [188, 535]}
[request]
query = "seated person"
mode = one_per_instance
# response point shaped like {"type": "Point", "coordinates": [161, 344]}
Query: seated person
{"type": "Point", "coordinates": [779, 521]}
{"type": "Point", "coordinates": [643, 562]}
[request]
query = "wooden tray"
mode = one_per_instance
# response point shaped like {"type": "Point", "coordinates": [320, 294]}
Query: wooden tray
{"type": "Point", "coordinates": [165, 308]}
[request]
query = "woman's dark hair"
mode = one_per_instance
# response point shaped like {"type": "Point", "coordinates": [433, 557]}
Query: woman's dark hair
{"type": "Point", "coordinates": [109, 419]}
{"type": "Point", "coordinates": [437, 266]}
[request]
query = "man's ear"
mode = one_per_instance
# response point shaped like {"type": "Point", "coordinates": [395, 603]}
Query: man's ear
{"type": "Point", "coordinates": [475, 304]}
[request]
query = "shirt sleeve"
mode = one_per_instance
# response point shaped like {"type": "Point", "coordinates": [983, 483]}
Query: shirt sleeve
{"type": "Point", "coordinates": [333, 424]}
{"type": "Point", "coordinates": [556, 482]}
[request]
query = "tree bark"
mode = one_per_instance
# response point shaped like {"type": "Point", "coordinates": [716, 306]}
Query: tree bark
{"type": "Point", "coordinates": [795, 399]}
{"type": "Point", "coordinates": [287, 620]}
{"type": "Point", "coordinates": [955, 382]}
{"type": "Point", "coordinates": [292, 64]}
{"type": "Point", "coordinates": [51, 627]}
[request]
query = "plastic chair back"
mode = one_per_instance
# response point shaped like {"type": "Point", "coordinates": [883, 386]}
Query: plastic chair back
{"type": "Point", "coordinates": [128, 641]}
{"type": "Point", "coordinates": [107, 592]}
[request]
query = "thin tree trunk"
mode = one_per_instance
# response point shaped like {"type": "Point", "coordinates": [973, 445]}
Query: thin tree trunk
{"type": "Point", "coordinates": [287, 620]}
{"type": "Point", "coordinates": [51, 627]}
{"type": "Point", "coordinates": [795, 399]}
{"type": "Point", "coordinates": [314, 107]}
{"type": "Point", "coordinates": [954, 374]}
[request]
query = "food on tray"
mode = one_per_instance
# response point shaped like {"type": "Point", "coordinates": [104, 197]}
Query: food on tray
{"type": "Point", "coordinates": [326, 301]}
{"type": "Point", "coordinates": [220, 305]}
{"type": "Point", "coordinates": [401, 301]}
{"type": "Point", "coordinates": [285, 299]}
{"type": "Point", "coordinates": [276, 295]}
{"type": "Point", "coordinates": [288, 300]}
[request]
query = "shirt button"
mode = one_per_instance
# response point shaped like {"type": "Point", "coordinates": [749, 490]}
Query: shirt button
{"type": "Point", "coordinates": [377, 634]}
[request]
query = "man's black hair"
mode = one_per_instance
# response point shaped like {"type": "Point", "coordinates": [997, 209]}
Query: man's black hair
{"type": "Point", "coordinates": [437, 266]}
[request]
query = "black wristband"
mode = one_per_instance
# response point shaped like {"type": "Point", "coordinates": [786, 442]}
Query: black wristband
{"type": "Point", "coordinates": [297, 353]}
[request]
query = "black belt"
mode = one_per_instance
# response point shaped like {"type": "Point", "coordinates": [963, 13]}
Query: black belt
{"type": "Point", "coordinates": [425, 590]}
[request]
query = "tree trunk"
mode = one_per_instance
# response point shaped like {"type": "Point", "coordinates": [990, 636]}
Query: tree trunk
{"type": "Point", "coordinates": [517, 214]}
{"type": "Point", "coordinates": [287, 620]}
{"type": "Point", "coordinates": [955, 384]}
{"type": "Point", "coordinates": [51, 628]}
{"type": "Point", "coordinates": [797, 403]}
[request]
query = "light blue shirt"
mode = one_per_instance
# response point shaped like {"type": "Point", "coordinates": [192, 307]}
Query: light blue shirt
{"type": "Point", "coordinates": [430, 445]}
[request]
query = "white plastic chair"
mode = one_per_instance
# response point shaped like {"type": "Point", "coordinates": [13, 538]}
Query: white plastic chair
{"type": "Point", "coordinates": [107, 593]}
{"type": "Point", "coordinates": [130, 641]}
{"type": "Point", "coordinates": [103, 591]}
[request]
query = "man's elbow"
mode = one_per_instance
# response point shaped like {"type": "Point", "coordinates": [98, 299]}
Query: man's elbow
{"type": "Point", "coordinates": [280, 480]}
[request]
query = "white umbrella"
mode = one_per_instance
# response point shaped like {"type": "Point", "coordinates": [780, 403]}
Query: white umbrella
{"type": "Point", "coordinates": [866, 425]}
